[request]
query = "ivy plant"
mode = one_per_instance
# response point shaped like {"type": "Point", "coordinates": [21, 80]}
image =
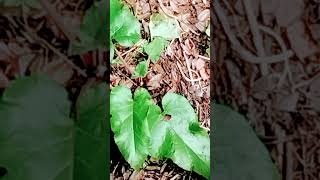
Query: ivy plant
{"type": "Point", "coordinates": [40, 139]}
{"type": "Point", "coordinates": [141, 128]}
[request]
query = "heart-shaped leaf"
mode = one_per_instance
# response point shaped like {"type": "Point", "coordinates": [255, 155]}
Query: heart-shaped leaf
{"type": "Point", "coordinates": [181, 138]}
{"type": "Point", "coordinates": [36, 133]}
{"type": "Point", "coordinates": [129, 122]}
{"type": "Point", "coordinates": [141, 130]}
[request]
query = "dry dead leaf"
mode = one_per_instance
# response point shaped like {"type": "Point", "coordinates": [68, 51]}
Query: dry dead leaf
{"type": "Point", "coordinates": [286, 102]}
{"type": "Point", "coordinates": [204, 75]}
{"type": "Point", "coordinates": [4, 52]}
{"type": "Point", "coordinates": [204, 15]}
{"type": "Point", "coordinates": [289, 11]}
{"type": "Point", "coordinates": [199, 64]}
{"type": "Point", "coordinates": [315, 30]}
{"type": "Point", "coordinates": [58, 71]}
{"type": "Point", "coordinates": [299, 40]}
{"type": "Point", "coordinates": [154, 82]}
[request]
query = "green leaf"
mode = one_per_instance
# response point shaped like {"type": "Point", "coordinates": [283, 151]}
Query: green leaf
{"type": "Point", "coordinates": [181, 139]}
{"type": "Point", "coordinates": [163, 26]}
{"type": "Point", "coordinates": [93, 29]}
{"type": "Point", "coordinates": [141, 70]}
{"type": "Point", "coordinates": [91, 134]}
{"type": "Point", "coordinates": [155, 48]}
{"type": "Point", "coordinates": [124, 26]}
{"type": "Point", "coordinates": [129, 122]}
{"type": "Point", "coordinates": [140, 130]}
{"type": "Point", "coordinates": [39, 140]}
{"type": "Point", "coordinates": [208, 30]}
{"type": "Point", "coordinates": [237, 149]}
{"type": "Point", "coordinates": [36, 133]}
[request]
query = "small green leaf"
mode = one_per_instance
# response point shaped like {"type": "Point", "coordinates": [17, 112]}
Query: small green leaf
{"type": "Point", "coordinates": [141, 70]}
{"type": "Point", "coordinates": [124, 26]}
{"type": "Point", "coordinates": [163, 26]}
{"type": "Point", "coordinates": [208, 30]}
{"type": "Point", "coordinates": [155, 48]}
{"type": "Point", "coordinates": [237, 149]}
{"type": "Point", "coordinates": [129, 122]}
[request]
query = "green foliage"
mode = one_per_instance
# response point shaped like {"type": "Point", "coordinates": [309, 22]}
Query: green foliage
{"type": "Point", "coordinates": [124, 26]}
{"type": "Point", "coordinates": [138, 123]}
{"type": "Point", "coordinates": [155, 48]}
{"type": "Point", "coordinates": [237, 149]}
{"type": "Point", "coordinates": [208, 31]}
{"type": "Point", "coordinates": [141, 70]}
{"type": "Point", "coordinates": [39, 140]}
{"type": "Point", "coordinates": [93, 30]}
{"type": "Point", "coordinates": [163, 26]}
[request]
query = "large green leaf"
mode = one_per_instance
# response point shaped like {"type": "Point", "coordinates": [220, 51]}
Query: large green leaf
{"type": "Point", "coordinates": [129, 122]}
{"type": "Point", "coordinates": [91, 134]}
{"type": "Point", "coordinates": [141, 129]}
{"type": "Point", "coordinates": [181, 138]}
{"type": "Point", "coordinates": [36, 133]}
{"type": "Point", "coordinates": [39, 141]}
{"type": "Point", "coordinates": [238, 153]}
{"type": "Point", "coordinates": [124, 26]}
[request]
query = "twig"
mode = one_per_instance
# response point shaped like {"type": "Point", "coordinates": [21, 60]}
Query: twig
{"type": "Point", "coordinates": [257, 39]}
{"type": "Point", "coordinates": [56, 51]}
{"type": "Point", "coordinates": [245, 54]}
{"type": "Point", "coordinates": [184, 76]}
{"type": "Point", "coordinates": [64, 57]}
{"type": "Point", "coordinates": [203, 57]}
{"type": "Point", "coordinates": [188, 66]}
{"type": "Point", "coordinates": [283, 47]}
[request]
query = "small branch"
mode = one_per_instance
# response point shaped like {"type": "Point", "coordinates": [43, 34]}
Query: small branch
{"type": "Point", "coordinates": [257, 39]}
{"type": "Point", "coordinates": [184, 76]}
{"type": "Point", "coordinates": [245, 54]}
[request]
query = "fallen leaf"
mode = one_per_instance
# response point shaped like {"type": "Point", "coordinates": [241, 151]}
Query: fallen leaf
{"type": "Point", "coordinates": [289, 11]}
{"type": "Point", "coordinates": [299, 40]}
{"type": "Point", "coordinates": [154, 82]}
{"type": "Point", "coordinates": [286, 102]}
{"type": "Point", "coordinates": [58, 71]}
{"type": "Point", "coordinates": [204, 75]}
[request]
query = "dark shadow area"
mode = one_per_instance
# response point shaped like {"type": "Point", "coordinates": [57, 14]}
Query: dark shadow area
{"type": "Point", "coordinates": [3, 171]}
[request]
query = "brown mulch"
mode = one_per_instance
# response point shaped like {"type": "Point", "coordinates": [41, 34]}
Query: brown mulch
{"type": "Point", "coordinates": [281, 103]}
